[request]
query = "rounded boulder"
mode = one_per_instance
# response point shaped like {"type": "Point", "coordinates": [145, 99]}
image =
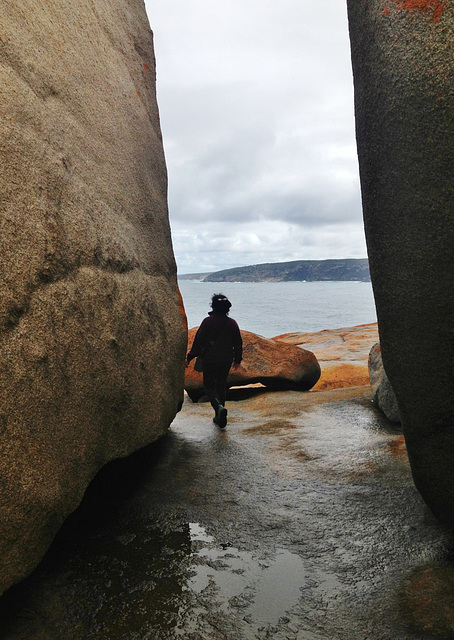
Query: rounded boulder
{"type": "Point", "coordinates": [274, 364]}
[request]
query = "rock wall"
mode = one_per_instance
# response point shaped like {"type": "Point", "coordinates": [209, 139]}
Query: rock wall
{"type": "Point", "coordinates": [92, 341]}
{"type": "Point", "coordinates": [403, 76]}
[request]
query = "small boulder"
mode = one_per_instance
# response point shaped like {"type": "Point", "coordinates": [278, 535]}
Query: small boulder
{"type": "Point", "coordinates": [383, 394]}
{"type": "Point", "coordinates": [274, 364]}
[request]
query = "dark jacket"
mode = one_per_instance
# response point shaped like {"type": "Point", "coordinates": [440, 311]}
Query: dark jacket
{"type": "Point", "coordinates": [218, 339]}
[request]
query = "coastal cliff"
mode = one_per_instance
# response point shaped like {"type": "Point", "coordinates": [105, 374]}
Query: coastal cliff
{"type": "Point", "coordinates": [296, 270]}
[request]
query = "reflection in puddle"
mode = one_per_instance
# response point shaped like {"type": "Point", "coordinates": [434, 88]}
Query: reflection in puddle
{"type": "Point", "coordinates": [264, 590]}
{"type": "Point", "coordinates": [278, 589]}
{"type": "Point", "coordinates": [171, 581]}
{"type": "Point", "coordinates": [198, 533]}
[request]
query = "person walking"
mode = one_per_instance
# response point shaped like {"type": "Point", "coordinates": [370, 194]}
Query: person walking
{"type": "Point", "coordinates": [218, 341]}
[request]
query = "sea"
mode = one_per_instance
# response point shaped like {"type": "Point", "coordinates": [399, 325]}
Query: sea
{"type": "Point", "coordinates": [273, 308]}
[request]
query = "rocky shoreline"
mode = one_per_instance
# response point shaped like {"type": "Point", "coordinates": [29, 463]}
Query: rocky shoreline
{"type": "Point", "coordinates": [287, 361]}
{"type": "Point", "coordinates": [319, 361]}
{"type": "Point", "coordinates": [342, 353]}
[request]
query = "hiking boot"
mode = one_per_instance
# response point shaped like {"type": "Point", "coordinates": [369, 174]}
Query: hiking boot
{"type": "Point", "coordinates": [221, 416]}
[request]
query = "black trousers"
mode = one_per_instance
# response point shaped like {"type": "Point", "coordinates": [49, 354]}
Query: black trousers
{"type": "Point", "coordinates": [215, 382]}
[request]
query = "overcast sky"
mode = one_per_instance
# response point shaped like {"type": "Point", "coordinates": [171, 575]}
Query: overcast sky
{"type": "Point", "coordinates": [256, 106]}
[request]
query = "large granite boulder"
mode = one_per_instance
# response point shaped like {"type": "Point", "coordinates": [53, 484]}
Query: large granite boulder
{"type": "Point", "coordinates": [92, 340]}
{"type": "Point", "coordinates": [404, 84]}
{"type": "Point", "coordinates": [382, 391]}
{"type": "Point", "coordinates": [274, 364]}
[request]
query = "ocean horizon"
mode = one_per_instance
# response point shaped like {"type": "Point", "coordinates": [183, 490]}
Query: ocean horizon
{"type": "Point", "coordinates": [273, 308]}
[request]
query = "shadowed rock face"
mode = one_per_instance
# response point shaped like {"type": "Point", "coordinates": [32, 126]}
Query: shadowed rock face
{"type": "Point", "coordinates": [403, 76]}
{"type": "Point", "coordinates": [382, 392]}
{"type": "Point", "coordinates": [91, 337]}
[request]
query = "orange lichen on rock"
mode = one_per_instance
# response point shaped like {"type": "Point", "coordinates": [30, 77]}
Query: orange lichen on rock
{"type": "Point", "coordinates": [428, 601]}
{"type": "Point", "coordinates": [342, 353]}
{"type": "Point", "coordinates": [432, 7]}
{"type": "Point", "coordinates": [274, 364]}
{"type": "Point", "coordinates": [397, 447]}
{"type": "Point", "coordinates": [342, 375]}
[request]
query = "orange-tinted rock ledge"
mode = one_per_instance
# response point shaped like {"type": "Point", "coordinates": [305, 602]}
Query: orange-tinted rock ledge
{"type": "Point", "coordinates": [342, 353]}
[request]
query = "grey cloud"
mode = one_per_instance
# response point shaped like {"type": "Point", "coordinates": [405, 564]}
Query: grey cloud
{"type": "Point", "coordinates": [257, 115]}
{"type": "Point", "coordinates": [271, 242]}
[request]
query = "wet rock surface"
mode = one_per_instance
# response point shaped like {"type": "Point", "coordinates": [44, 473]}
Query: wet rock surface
{"type": "Point", "coordinates": [299, 521]}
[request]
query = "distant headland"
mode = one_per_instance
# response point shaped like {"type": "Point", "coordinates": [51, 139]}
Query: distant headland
{"type": "Point", "coordinates": [347, 269]}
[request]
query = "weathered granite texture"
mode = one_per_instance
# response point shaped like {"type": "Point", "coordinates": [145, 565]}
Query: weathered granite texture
{"type": "Point", "coordinates": [274, 364]}
{"type": "Point", "coordinates": [404, 88]}
{"type": "Point", "coordinates": [91, 338]}
{"type": "Point", "coordinates": [342, 353]}
{"type": "Point", "coordinates": [383, 394]}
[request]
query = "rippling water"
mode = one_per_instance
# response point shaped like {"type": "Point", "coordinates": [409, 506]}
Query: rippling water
{"type": "Point", "coordinates": [272, 308]}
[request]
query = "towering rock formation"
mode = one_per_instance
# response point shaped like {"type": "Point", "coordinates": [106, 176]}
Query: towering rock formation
{"type": "Point", "coordinates": [403, 74]}
{"type": "Point", "coordinates": [91, 339]}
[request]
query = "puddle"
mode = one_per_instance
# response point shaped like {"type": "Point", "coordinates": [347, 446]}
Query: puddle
{"type": "Point", "coordinates": [164, 582]}
{"type": "Point", "coordinates": [264, 590]}
{"type": "Point", "coordinates": [198, 533]}
{"type": "Point", "coordinates": [278, 589]}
